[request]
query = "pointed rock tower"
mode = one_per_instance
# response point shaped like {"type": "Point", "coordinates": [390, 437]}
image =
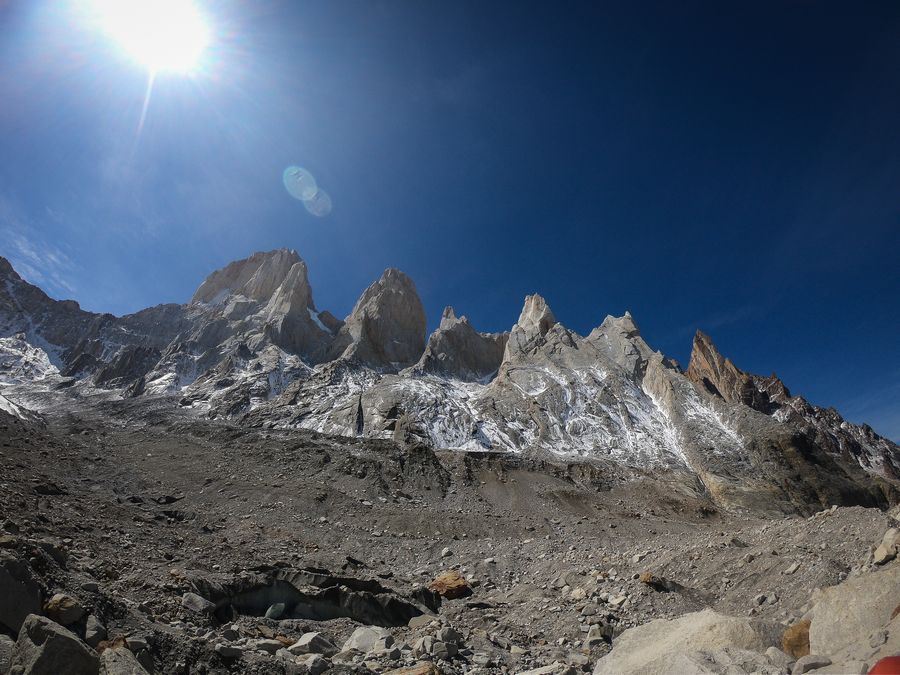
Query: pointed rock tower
{"type": "Point", "coordinates": [386, 328]}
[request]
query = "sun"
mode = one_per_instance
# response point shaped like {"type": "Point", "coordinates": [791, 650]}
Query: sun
{"type": "Point", "coordinates": [161, 35]}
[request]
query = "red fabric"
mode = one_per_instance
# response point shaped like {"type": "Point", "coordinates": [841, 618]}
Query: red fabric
{"type": "Point", "coordinates": [890, 665]}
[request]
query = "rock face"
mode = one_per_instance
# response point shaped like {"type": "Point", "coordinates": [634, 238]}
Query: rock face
{"type": "Point", "coordinates": [386, 328]}
{"type": "Point", "coordinates": [721, 377]}
{"type": "Point", "coordinates": [824, 427]}
{"type": "Point", "coordinates": [534, 322]}
{"type": "Point", "coordinates": [252, 346]}
{"type": "Point", "coordinates": [457, 350]}
{"type": "Point", "coordinates": [255, 278]}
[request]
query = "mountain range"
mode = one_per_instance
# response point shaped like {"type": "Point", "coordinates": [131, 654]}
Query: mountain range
{"type": "Point", "coordinates": [252, 346]}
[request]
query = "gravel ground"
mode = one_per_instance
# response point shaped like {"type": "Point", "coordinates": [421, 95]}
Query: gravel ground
{"type": "Point", "coordinates": [127, 507]}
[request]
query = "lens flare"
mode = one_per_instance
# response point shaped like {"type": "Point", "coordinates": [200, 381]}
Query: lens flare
{"type": "Point", "coordinates": [299, 183]}
{"type": "Point", "coordinates": [302, 186]}
{"type": "Point", "coordinates": [320, 204]}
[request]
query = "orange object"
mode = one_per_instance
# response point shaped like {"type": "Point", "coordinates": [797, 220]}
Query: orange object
{"type": "Point", "coordinates": [889, 665]}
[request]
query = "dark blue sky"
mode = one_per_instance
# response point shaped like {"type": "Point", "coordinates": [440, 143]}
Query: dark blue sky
{"type": "Point", "coordinates": [733, 167]}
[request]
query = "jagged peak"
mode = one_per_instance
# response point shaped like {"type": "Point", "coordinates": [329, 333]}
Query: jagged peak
{"type": "Point", "coordinates": [536, 317]}
{"type": "Point", "coordinates": [704, 348]}
{"type": "Point", "coordinates": [624, 324]}
{"type": "Point", "coordinates": [449, 318]}
{"type": "Point", "coordinates": [257, 276]}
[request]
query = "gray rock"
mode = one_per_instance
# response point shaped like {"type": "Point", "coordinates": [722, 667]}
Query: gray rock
{"type": "Point", "coordinates": [46, 648]}
{"type": "Point", "coordinates": [313, 643]}
{"type": "Point", "coordinates": [266, 645]}
{"type": "Point", "coordinates": [196, 603]}
{"type": "Point", "coordinates": [779, 658]}
{"type": "Point", "coordinates": [120, 661]}
{"type": "Point", "coordinates": [596, 635]}
{"type": "Point", "coordinates": [887, 549]}
{"type": "Point", "coordinates": [94, 631]}
{"type": "Point", "coordinates": [20, 590]}
{"type": "Point", "coordinates": [314, 664]}
{"type": "Point", "coordinates": [382, 644]}
{"type": "Point", "coordinates": [652, 647]}
{"type": "Point", "coordinates": [364, 638]}
{"type": "Point", "coordinates": [228, 651]}
{"type": "Point", "coordinates": [450, 635]}
{"type": "Point", "coordinates": [810, 662]}
{"type": "Point", "coordinates": [443, 650]}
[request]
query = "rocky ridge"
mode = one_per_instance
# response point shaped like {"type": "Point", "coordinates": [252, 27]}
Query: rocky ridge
{"type": "Point", "coordinates": [252, 346]}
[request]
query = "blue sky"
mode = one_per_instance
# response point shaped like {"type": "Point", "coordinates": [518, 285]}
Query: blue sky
{"type": "Point", "coordinates": [724, 166]}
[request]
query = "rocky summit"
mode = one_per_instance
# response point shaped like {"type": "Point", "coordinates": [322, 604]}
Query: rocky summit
{"type": "Point", "coordinates": [245, 483]}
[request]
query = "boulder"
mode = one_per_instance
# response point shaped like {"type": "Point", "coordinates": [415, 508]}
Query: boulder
{"type": "Point", "coordinates": [844, 616]}
{"type": "Point", "coordinates": [313, 643]}
{"type": "Point", "coordinates": [20, 590]}
{"type": "Point", "coordinates": [314, 664]}
{"type": "Point", "coordinates": [889, 546]}
{"type": "Point", "coordinates": [46, 648]}
{"type": "Point", "coordinates": [94, 632]}
{"type": "Point", "coordinates": [64, 609]}
{"type": "Point", "coordinates": [228, 651]}
{"type": "Point", "coordinates": [451, 585]}
{"type": "Point", "coordinates": [651, 648]}
{"type": "Point", "coordinates": [266, 645]}
{"type": "Point", "coordinates": [810, 662]}
{"type": "Point", "coordinates": [197, 603]}
{"type": "Point", "coordinates": [364, 638]}
{"type": "Point", "coordinates": [120, 661]}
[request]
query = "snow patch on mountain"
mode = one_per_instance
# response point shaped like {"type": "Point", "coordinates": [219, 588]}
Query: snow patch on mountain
{"type": "Point", "coordinates": [21, 362]}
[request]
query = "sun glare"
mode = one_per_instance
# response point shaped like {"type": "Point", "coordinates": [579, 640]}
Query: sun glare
{"type": "Point", "coordinates": [159, 34]}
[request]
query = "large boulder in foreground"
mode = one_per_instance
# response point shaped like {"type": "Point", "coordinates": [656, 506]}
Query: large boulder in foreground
{"type": "Point", "coordinates": [690, 643]}
{"type": "Point", "coordinates": [46, 648]}
{"type": "Point", "coordinates": [852, 619]}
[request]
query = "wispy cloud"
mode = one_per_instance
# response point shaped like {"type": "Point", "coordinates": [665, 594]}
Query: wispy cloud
{"type": "Point", "coordinates": [711, 322]}
{"type": "Point", "coordinates": [31, 254]}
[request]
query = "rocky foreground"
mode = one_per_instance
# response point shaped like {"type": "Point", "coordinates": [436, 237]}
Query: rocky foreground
{"type": "Point", "coordinates": [137, 538]}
